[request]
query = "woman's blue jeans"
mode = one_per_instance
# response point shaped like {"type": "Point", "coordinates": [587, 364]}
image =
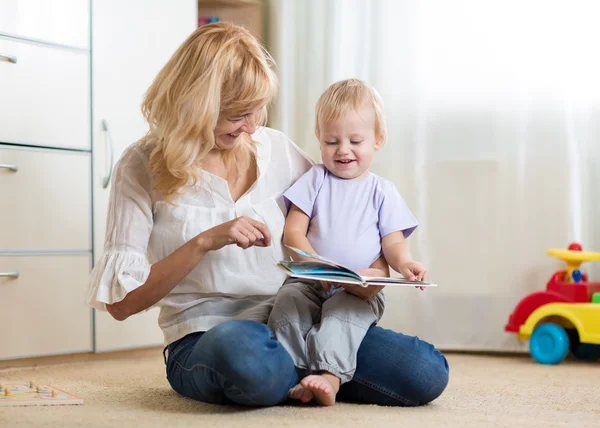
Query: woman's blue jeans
{"type": "Point", "coordinates": [241, 362]}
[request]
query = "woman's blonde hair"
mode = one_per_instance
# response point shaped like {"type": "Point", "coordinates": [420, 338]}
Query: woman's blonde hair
{"type": "Point", "coordinates": [220, 70]}
{"type": "Point", "coordinates": [347, 95]}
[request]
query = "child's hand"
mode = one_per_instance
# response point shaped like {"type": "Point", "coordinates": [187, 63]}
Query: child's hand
{"type": "Point", "coordinates": [414, 271]}
{"type": "Point", "coordinates": [325, 286]}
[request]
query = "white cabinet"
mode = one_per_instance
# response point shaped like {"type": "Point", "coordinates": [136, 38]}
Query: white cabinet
{"type": "Point", "coordinates": [131, 41]}
{"type": "Point", "coordinates": [63, 22]}
{"type": "Point", "coordinates": [41, 305]}
{"type": "Point", "coordinates": [46, 199]}
{"type": "Point", "coordinates": [44, 97]}
{"type": "Point", "coordinates": [66, 101]}
{"type": "Point", "coordinates": [138, 331]}
{"type": "Point", "coordinates": [45, 178]}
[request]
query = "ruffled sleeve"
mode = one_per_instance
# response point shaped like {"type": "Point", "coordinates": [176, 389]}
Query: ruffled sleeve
{"type": "Point", "coordinates": [124, 266]}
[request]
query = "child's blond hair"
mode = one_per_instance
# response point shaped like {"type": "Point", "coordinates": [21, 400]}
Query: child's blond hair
{"type": "Point", "coordinates": [346, 95]}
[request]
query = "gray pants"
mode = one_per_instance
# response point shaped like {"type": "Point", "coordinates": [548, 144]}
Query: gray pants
{"type": "Point", "coordinates": [323, 331]}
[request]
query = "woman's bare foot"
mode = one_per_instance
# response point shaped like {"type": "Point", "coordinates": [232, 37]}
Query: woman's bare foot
{"type": "Point", "coordinates": [301, 393]}
{"type": "Point", "coordinates": [323, 386]}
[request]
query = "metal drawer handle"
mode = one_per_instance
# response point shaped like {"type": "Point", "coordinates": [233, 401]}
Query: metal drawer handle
{"type": "Point", "coordinates": [9, 274]}
{"type": "Point", "coordinates": [11, 59]}
{"type": "Point", "coordinates": [106, 180]}
{"type": "Point", "coordinates": [14, 168]}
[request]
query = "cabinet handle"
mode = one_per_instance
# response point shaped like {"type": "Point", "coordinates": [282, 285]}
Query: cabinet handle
{"type": "Point", "coordinates": [11, 59]}
{"type": "Point", "coordinates": [106, 180]}
{"type": "Point", "coordinates": [14, 168]}
{"type": "Point", "coordinates": [9, 274]}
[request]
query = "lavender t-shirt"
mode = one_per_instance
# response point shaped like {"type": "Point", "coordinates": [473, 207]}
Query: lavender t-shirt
{"type": "Point", "coordinates": [348, 218]}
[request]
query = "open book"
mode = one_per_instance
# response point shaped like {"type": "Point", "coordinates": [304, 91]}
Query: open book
{"type": "Point", "coordinates": [323, 269]}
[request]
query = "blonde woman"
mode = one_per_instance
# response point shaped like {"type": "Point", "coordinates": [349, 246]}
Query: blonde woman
{"type": "Point", "coordinates": [195, 223]}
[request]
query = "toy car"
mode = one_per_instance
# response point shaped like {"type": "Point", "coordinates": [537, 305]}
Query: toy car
{"type": "Point", "coordinates": [564, 317]}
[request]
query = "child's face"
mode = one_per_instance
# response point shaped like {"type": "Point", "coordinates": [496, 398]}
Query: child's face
{"type": "Point", "coordinates": [348, 143]}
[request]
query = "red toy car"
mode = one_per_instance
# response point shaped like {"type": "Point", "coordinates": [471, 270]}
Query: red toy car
{"type": "Point", "coordinates": [564, 317]}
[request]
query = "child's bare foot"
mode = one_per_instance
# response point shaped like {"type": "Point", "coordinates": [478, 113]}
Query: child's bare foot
{"type": "Point", "coordinates": [323, 386]}
{"type": "Point", "coordinates": [301, 393]}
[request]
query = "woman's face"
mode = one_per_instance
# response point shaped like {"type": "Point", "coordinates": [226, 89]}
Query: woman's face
{"type": "Point", "coordinates": [229, 128]}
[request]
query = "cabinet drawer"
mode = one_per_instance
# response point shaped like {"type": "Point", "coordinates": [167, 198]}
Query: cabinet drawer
{"type": "Point", "coordinates": [65, 22]}
{"type": "Point", "coordinates": [43, 310]}
{"type": "Point", "coordinates": [46, 203]}
{"type": "Point", "coordinates": [44, 96]}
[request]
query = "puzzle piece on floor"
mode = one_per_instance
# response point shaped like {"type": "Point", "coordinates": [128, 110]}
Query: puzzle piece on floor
{"type": "Point", "coordinates": [32, 394]}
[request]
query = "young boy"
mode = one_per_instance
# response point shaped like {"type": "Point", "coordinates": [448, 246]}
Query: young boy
{"type": "Point", "coordinates": [343, 212]}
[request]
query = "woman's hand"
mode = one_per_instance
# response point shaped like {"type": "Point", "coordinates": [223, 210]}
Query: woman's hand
{"type": "Point", "coordinates": [243, 231]}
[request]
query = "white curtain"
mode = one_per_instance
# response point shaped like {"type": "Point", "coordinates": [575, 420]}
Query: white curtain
{"type": "Point", "coordinates": [493, 110]}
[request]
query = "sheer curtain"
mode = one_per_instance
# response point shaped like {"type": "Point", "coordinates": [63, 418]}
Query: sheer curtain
{"type": "Point", "coordinates": [493, 111]}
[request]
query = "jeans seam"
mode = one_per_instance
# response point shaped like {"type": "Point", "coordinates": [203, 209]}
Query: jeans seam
{"type": "Point", "coordinates": [384, 391]}
{"type": "Point", "coordinates": [218, 374]}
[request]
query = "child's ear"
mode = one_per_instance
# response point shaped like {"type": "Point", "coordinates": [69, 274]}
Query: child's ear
{"type": "Point", "coordinates": [379, 143]}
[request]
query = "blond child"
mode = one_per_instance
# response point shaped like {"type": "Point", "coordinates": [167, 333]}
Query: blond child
{"type": "Point", "coordinates": [342, 211]}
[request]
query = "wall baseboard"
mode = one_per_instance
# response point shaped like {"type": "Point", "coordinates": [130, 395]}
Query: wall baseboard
{"type": "Point", "coordinates": [79, 358]}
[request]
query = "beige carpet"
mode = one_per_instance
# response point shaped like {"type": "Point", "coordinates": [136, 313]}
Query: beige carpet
{"type": "Point", "coordinates": [484, 391]}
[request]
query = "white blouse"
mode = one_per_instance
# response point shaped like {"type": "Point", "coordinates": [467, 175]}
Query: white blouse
{"type": "Point", "coordinates": [143, 228]}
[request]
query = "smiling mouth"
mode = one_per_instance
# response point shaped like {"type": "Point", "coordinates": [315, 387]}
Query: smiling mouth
{"type": "Point", "coordinates": [234, 135]}
{"type": "Point", "coordinates": [345, 161]}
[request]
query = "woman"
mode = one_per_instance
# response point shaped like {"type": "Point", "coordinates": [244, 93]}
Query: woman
{"type": "Point", "coordinates": [201, 198]}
